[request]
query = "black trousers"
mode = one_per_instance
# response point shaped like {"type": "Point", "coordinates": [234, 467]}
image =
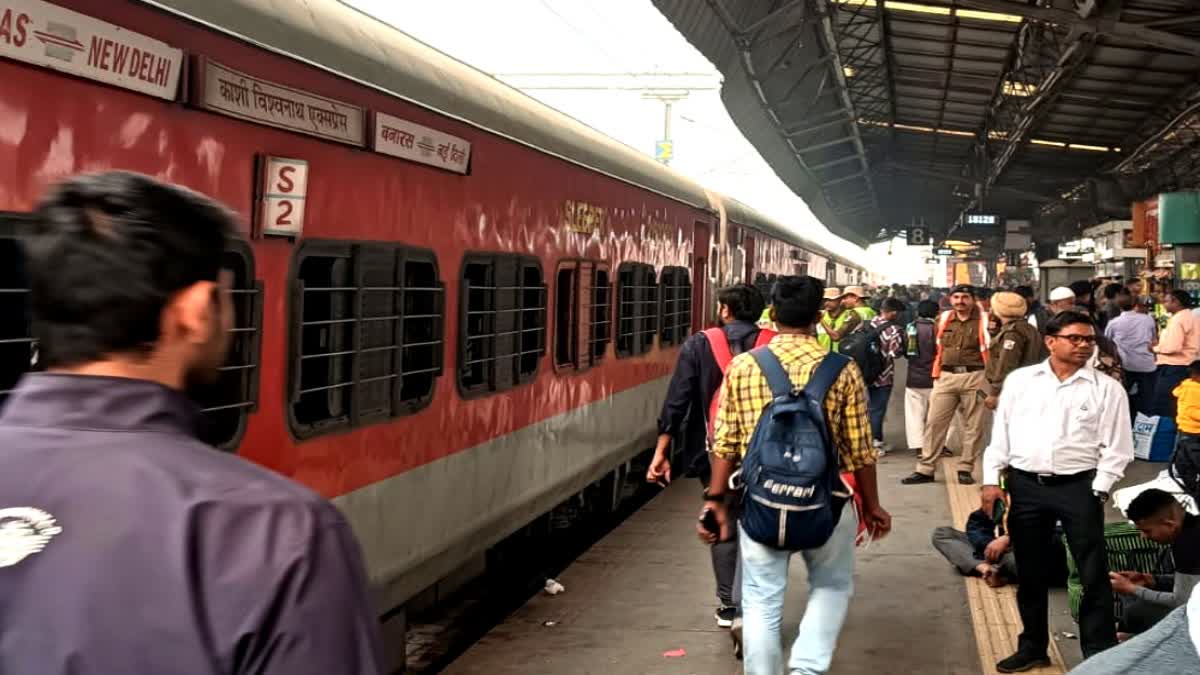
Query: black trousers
{"type": "Point", "coordinates": [1031, 520]}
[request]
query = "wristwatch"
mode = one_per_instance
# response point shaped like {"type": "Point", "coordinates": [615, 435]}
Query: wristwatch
{"type": "Point", "coordinates": [1102, 496]}
{"type": "Point", "coordinates": [714, 498]}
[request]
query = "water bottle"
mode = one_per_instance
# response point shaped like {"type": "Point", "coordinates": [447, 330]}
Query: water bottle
{"type": "Point", "coordinates": [911, 330]}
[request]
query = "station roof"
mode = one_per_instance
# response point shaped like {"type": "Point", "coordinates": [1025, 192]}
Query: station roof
{"type": "Point", "coordinates": [886, 113]}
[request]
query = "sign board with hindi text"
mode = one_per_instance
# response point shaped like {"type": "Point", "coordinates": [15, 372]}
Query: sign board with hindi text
{"type": "Point", "coordinates": [409, 140]}
{"type": "Point", "coordinates": [284, 188]}
{"type": "Point", "coordinates": [52, 37]}
{"type": "Point", "coordinates": [237, 94]}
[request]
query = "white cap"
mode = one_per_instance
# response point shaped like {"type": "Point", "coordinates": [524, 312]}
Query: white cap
{"type": "Point", "coordinates": [1062, 293]}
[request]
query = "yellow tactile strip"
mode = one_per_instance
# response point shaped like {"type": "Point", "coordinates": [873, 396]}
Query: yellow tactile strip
{"type": "Point", "coordinates": [993, 611]}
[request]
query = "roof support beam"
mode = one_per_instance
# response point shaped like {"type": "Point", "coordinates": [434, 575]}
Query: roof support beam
{"type": "Point", "coordinates": [1103, 26]}
{"type": "Point", "coordinates": [833, 162]}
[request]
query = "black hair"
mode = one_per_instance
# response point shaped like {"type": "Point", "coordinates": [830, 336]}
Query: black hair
{"type": "Point", "coordinates": [108, 252]}
{"type": "Point", "coordinates": [1194, 368]}
{"type": "Point", "coordinates": [892, 305]}
{"type": "Point", "coordinates": [1111, 290]}
{"type": "Point", "coordinates": [927, 309]}
{"type": "Point", "coordinates": [1081, 287]}
{"type": "Point", "coordinates": [1024, 291]}
{"type": "Point", "coordinates": [797, 300]}
{"type": "Point", "coordinates": [1183, 297]}
{"type": "Point", "coordinates": [1148, 504]}
{"type": "Point", "coordinates": [744, 301]}
{"type": "Point", "coordinates": [1068, 318]}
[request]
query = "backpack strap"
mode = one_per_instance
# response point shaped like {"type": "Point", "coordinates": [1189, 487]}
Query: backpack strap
{"type": "Point", "coordinates": [719, 343]}
{"type": "Point", "coordinates": [777, 378]}
{"type": "Point", "coordinates": [764, 336]}
{"type": "Point", "coordinates": [826, 373]}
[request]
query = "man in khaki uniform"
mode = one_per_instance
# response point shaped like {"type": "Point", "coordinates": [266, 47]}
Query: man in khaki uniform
{"type": "Point", "coordinates": [959, 385]}
{"type": "Point", "coordinates": [1016, 345]}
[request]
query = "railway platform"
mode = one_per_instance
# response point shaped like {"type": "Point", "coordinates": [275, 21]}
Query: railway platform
{"type": "Point", "coordinates": [641, 600]}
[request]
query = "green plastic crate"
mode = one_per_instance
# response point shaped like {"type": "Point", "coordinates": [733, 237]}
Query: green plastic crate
{"type": "Point", "coordinates": [1126, 550]}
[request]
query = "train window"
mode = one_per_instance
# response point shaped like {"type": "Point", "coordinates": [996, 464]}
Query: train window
{"type": "Point", "coordinates": [367, 334]}
{"type": "Point", "coordinates": [601, 314]}
{"type": "Point", "coordinates": [566, 325]}
{"type": "Point", "coordinates": [581, 314]}
{"type": "Point", "coordinates": [675, 288]}
{"type": "Point", "coordinates": [503, 322]}
{"type": "Point", "coordinates": [18, 350]}
{"type": "Point", "coordinates": [226, 405]}
{"type": "Point", "coordinates": [637, 308]}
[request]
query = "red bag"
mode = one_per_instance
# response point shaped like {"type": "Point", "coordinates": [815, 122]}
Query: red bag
{"type": "Point", "coordinates": [720, 349]}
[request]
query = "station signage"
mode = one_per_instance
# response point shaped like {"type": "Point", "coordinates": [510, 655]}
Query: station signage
{"type": "Point", "coordinates": [52, 37]}
{"type": "Point", "coordinates": [985, 219]}
{"type": "Point", "coordinates": [417, 143]}
{"type": "Point", "coordinates": [230, 92]}
{"type": "Point", "coordinates": [283, 187]}
{"type": "Point", "coordinates": [944, 251]}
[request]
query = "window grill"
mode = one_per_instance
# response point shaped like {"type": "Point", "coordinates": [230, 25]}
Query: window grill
{"type": "Point", "coordinates": [582, 314]}
{"type": "Point", "coordinates": [226, 405]}
{"type": "Point", "coordinates": [637, 309]}
{"type": "Point", "coordinates": [503, 322]}
{"type": "Point", "coordinates": [367, 334]}
{"type": "Point", "coordinates": [676, 291]}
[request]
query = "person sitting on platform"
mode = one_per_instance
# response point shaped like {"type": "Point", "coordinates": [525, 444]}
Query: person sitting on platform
{"type": "Point", "coordinates": [1148, 597]}
{"type": "Point", "coordinates": [984, 550]}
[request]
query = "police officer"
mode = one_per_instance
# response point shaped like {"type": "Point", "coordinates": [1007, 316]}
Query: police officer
{"type": "Point", "coordinates": [1016, 345]}
{"type": "Point", "coordinates": [126, 544]}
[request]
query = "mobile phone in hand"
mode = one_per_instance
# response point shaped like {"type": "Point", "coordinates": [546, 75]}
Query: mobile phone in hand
{"type": "Point", "coordinates": [709, 521]}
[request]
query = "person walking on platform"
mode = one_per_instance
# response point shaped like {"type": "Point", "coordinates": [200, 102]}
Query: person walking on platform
{"type": "Point", "coordinates": [127, 545]}
{"type": "Point", "coordinates": [852, 298]}
{"type": "Point", "coordinates": [1016, 345]}
{"type": "Point", "coordinates": [1178, 346]}
{"type": "Point", "coordinates": [1062, 433]}
{"type": "Point", "coordinates": [879, 392]}
{"type": "Point", "coordinates": [918, 384]}
{"type": "Point", "coordinates": [687, 414]}
{"type": "Point", "coordinates": [1133, 334]}
{"type": "Point", "coordinates": [796, 356]}
{"type": "Point", "coordinates": [1062, 299]}
{"type": "Point", "coordinates": [837, 321]}
{"type": "Point", "coordinates": [959, 385]}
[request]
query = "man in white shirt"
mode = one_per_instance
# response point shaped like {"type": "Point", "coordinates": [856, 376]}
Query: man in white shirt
{"type": "Point", "coordinates": [1062, 432]}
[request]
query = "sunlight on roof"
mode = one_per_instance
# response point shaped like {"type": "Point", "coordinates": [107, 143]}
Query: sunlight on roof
{"type": "Point", "coordinates": [849, 71]}
{"type": "Point", "coordinates": [1012, 88]}
{"type": "Point", "coordinates": [987, 16]}
{"type": "Point", "coordinates": [940, 10]}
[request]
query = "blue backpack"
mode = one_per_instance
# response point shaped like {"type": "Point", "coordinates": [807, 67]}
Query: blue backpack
{"type": "Point", "coordinates": [794, 491]}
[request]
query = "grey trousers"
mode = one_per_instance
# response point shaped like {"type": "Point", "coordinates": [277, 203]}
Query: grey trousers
{"type": "Point", "coordinates": [955, 547]}
{"type": "Point", "coordinates": [1165, 648]}
{"type": "Point", "coordinates": [727, 570]}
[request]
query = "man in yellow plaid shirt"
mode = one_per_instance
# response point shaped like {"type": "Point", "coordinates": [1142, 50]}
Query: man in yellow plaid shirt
{"type": "Point", "coordinates": [795, 306]}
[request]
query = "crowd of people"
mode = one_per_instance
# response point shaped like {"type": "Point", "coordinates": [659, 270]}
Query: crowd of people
{"type": "Point", "coordinates": [982, 365]}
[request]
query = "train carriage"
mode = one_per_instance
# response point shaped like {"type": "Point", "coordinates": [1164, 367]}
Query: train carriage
{"type": "Point", "coordinates": [456, 307]}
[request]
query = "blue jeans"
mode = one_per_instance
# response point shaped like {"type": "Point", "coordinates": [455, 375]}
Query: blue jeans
{"type": "Point", "coordinates": [764, 584]}
{"type": "Point", "coordinates": [877, 404]}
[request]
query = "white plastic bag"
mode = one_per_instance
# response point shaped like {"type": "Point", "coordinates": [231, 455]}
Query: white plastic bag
{"type": "Point", "coordinates": [1144, 428]}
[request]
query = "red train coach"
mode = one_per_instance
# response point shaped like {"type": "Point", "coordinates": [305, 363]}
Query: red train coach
{"type": "Point", "coordinates": [456, 307]}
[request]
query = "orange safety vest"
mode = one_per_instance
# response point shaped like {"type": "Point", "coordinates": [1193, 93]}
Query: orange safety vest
{"type": "Point", "coordinates": [944, 321]}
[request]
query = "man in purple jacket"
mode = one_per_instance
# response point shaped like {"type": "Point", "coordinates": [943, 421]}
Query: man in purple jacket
{"type": "Point", "coordinates": [127, 545]}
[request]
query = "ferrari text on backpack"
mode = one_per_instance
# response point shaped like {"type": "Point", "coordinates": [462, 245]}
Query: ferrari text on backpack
{"type": "Point", "coordinates": [794, 492]}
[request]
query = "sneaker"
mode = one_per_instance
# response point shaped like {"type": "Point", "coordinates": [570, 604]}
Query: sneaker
{"type": "Point", "coordinates": [1021, 662]}
{"type": "Point", "coordinates": [916, 479]}
{"type": "Point", "coordinates": [735, 632]}
{"type": "Point", "coordinates": [965, 478]}
{"type": "Point", "coordinates": [725, 616]}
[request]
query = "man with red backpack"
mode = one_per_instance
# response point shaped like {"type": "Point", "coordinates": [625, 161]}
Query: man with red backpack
{"type": "Point", "coordinates": [689, 410]}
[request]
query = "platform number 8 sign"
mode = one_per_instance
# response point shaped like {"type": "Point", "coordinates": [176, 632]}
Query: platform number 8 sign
{"type": "Point", "coordinates": [918, 236]}
{"type": "Point", "coordinates": [284, 187]}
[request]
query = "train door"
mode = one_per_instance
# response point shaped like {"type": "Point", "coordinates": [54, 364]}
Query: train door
{"type": "Point", "coordinates": [748, 275]}
{"type": "Point", "coordinates": [703, 315]}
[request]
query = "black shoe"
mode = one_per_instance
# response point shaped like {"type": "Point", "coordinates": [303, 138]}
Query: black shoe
{"type": "Point", "coordinates": [725, 616]}
{"type": "Point", "coordinates": [965, 478]}
{"type": "Point", "coordinates": [735, 632]}
{"type": "Point", "coordinates": [1021, 662]}
{"type": "Point", "coordinates": [916, 479]}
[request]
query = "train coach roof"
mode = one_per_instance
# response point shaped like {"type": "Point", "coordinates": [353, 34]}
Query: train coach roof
{"type": "Point", "coordinates": [338, 38]}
